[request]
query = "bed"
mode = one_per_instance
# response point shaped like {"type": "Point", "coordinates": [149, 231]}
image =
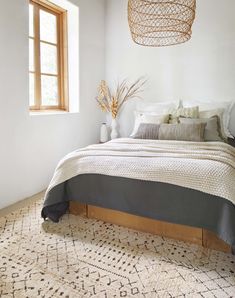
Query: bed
{"type": "Point", "coordinates": [184, 190]}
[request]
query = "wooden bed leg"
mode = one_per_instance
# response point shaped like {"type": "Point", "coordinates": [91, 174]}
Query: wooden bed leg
{"type": "Point", "coordinates": [76, 208]}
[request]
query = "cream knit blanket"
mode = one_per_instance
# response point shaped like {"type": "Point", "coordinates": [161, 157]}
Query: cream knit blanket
{"type": "Point", "coordinates": [206, 166]}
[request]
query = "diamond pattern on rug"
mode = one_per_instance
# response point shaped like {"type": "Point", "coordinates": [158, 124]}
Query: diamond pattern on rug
{"type": "Point", "coordinates": [80, 257]}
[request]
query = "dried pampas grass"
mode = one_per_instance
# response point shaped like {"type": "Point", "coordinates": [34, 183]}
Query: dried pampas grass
{"type": "Point", "coordinates": [112, 103]}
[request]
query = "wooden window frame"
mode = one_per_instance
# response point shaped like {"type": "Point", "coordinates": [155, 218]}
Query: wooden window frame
{"type": "Point", "coordinates": [62, 56]}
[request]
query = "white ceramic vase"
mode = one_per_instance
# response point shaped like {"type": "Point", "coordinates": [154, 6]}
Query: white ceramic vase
{"type": "Point", "coordinates": [114, 128]}
{"type": "Point", "coordinates": [104, 135]}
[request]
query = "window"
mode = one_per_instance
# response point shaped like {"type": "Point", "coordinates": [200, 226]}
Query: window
{"type": "Point", "coordinates": [47, 56]}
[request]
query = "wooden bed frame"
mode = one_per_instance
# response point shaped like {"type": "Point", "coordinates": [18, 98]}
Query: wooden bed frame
{"type": "Point", "coordinates": [197, 236]}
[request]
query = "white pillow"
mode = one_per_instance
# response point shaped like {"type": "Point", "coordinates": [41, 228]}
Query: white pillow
{"type": "Point", "coordinates": [141, 117]}
{"type": "Point", "coordinates": [224, 109]}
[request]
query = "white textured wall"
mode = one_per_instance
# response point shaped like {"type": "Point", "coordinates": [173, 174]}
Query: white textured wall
{"type": "Point", "coordinates": [30, 146]}
{"type": "Point", "coordinates": [203, 68]}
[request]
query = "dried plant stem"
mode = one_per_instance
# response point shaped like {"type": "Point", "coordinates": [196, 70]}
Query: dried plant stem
{"type": "Point", "coordinates": [112, 103]}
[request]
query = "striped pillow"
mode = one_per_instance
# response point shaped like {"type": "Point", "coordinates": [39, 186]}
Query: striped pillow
{"type": "Point", "coordinates": [147, 131]}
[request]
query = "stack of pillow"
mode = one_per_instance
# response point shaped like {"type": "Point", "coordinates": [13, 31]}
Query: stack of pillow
{"type": "Point", "coordinates": [192, 121]}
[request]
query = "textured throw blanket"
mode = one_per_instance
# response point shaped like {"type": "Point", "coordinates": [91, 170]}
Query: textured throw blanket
{"type": "Point", "coordinates": [208, 167]}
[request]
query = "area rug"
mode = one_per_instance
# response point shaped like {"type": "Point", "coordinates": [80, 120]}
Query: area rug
{"type": "Point", "coordinates": [79, 257]}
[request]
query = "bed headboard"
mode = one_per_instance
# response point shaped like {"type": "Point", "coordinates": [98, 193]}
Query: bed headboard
{"type": "Point", "coordinates": [232, 122]}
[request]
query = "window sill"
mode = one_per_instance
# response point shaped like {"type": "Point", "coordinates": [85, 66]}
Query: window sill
{"type": "Point", "coordinates": [47, 112]}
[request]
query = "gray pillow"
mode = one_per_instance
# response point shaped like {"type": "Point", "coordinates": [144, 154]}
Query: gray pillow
{"type": "Point", "coordinates": [212, 129]}
{"type": "Point", "coordinates": [182, 132]}
{"type": "Point", "coordinates": [147, 131]}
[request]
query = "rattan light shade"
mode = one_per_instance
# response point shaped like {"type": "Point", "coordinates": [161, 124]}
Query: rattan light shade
{"type": "Point", "coordinates": [159, 23]}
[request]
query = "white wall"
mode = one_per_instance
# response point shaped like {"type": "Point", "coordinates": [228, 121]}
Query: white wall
{"type": "Point", "coordinates": [30, 146]}
{"type": "Point", "coordinates": [203, 68]}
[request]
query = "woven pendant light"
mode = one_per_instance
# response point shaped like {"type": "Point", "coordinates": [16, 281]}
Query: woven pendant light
{"type": "Point", "coordinates": [159, 23]}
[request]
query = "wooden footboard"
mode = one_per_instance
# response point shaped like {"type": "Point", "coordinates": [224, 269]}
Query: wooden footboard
{"type": "Point", "coordinates": [179, 232]}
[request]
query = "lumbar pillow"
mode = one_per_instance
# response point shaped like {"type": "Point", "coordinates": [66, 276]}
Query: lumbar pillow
{"type": "Point", "coordinates": [212, 128]}
{"type": "Point", "coordinates": [141, 117]}
{"type": "Point", "coordinates": [192, 112]}
{"type": "Point", "coordinates": [182, 132]}
{"type": "Point", "coordinates": [147, 131]}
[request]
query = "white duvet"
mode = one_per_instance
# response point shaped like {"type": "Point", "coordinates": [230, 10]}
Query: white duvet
{"type": "Point", "coordinates": [206, 166]}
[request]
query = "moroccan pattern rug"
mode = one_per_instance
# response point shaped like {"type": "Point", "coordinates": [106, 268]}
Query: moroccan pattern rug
{"type": "Point", "coordinates": [80, 257]}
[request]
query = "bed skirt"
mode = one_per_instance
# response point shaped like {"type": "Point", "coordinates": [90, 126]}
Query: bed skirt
{"type": "Point", "coordinates": [155, 200]}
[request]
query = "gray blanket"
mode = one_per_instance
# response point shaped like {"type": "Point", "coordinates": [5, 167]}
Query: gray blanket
{"type": "Point", "coordinates": [157, 200]}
